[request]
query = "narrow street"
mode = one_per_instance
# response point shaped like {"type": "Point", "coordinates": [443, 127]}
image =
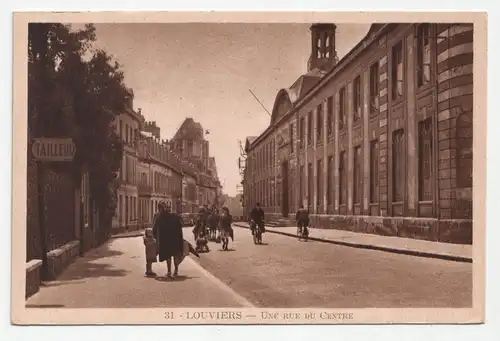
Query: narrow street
{"type": "Point", "coordinates": [282, 272]}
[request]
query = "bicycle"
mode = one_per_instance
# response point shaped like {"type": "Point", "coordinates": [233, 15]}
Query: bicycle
{"type": "Point", "coordinates": [256, 233]}
{"type": "Point", "coordinates": [302, 232]}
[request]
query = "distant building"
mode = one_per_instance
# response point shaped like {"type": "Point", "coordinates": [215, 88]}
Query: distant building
{"type": "Point", "coordinates": [190, 144]}
{"type": "Point", "coordinates": [189, 189]}
{"type": "Point", "coordinates": [377, 142]}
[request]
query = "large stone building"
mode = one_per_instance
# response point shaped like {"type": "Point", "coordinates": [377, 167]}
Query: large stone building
{"type": "Point", "coordinates": [377, 142]}
{"type": "Point", "coordinates": [179, 172]}
{"type": "Point", "coordinates": [190, 144]}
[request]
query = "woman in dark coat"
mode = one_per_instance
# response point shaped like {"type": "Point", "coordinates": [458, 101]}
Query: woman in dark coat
{"type": "Point", "coordinates": [168, 232]}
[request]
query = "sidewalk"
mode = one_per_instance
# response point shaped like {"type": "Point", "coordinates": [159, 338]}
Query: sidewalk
{"type": "Point", "coordinates": [413, 247]}
{"type": "Point", "coordinates": [112, 276]}
{"type": "Point", "coordinates": [127, 234]}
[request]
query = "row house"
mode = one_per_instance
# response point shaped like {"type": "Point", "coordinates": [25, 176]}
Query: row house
{"type": "Point", "coordinates": [377, 142]}
{"type": "Point", "coordinates": [127, 126]}
{"type": "Point", "coordinates": [161, 177]}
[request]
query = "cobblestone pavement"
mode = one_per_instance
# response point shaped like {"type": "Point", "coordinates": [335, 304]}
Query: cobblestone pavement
{"type": "Point", "coordinates": [283, 272]}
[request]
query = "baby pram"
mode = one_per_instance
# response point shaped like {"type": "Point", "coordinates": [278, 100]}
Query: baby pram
{"type": "Point", "coordinates": [201, 241]}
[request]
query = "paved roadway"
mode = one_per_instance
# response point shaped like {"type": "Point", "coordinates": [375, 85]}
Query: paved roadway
{"type": "Point", "coordinates": [281, 273]}
{"type": "Point", "coordinates": [291, 273]}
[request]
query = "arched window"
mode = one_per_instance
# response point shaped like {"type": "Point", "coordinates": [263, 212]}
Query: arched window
{"type": "Point", "coordinates": [464, 150]}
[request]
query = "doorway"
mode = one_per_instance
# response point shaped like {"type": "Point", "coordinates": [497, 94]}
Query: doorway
{"type": "Point", "coordinates": [284, 189]}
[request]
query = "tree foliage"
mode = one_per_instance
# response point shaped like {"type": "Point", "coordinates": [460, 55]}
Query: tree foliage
{"type": "Point", "coordinates": [77, 91]}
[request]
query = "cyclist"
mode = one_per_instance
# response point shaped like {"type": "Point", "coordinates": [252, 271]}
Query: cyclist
{"type": "Point", "coordinates": [257, 218]}
{"type": "Point", "coordinates": [302, 218]}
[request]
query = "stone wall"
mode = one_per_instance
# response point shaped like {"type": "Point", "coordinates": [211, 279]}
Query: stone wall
{"type": "Point", "coordinates": [60, 258]}
{"type": "Point", "coordinates": [446, 231]}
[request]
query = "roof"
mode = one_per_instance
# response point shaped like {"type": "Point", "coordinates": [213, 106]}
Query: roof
{"type": "Point", "coordinates": [249, 141]}
{"type": "Point", "coordinates": [295, 92]}
{"type": "Point", "coordinates": [307, 82]}
{"type": "Point", "coordinates": [303, 84]}
{"type": "Point", "coordinates": [189, 130]}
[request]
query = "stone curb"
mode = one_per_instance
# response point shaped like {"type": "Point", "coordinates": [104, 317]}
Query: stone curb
{"type": "Point", "coordinates": [378, 248]}
{"type": "Point", "coordinates": [131, 234]}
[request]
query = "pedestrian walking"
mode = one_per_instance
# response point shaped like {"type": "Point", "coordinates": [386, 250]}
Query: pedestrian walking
{"type": "Point", "coordinates": [226, 229]}
{"type": "Point", "coordinates": [151, 251]}
{"type": "Point", "coordinates": [168, 231]}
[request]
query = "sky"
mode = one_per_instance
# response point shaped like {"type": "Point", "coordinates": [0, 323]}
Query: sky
{"type": "Point", "coordinates": [205, 71]}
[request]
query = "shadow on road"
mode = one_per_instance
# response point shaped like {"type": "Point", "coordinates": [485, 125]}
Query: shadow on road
{"type": "Point", "coordinates": [95, 263]}
{"type": "Point", "coordinates": [104, 251]}
{"type": "Point", "coordinates": [85, 269]}
{"type": "Point", "coordinates": [228, 250]}
{"type": "Point", "coordinates": [178, 278]}
{"type": "Point", "coordinates": [45, 306]}
{"type": "Point", "coordinates": [262, 244]}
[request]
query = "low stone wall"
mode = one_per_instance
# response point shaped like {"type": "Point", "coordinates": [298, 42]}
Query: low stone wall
{"type": "Point", "coordinates": [33, 276]}
{"type": "Point", "coordinates": [448, 231]}
{"type": "Point", "coordinates": [59, 259]}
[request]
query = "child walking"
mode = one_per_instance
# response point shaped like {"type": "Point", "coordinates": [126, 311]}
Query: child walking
{"type": "Point", "coordinates": [150, 246]}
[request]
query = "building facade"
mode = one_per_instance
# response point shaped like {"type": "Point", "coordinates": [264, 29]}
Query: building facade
{"type": "Point", "coordinates": [190, 144]}
{"type": "Point", "coordinates": [189, 188]}
{"type": "Point", "coordinates": [378, 142]}
{"type": "Point", "coordinates": [128, 125]}
{"type": "Point", "coordinates": [161, 174]}
{"type": "Point", "coordinates": [155, 170]}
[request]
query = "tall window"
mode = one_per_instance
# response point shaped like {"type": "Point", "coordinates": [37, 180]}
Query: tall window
{"type": "Point", "coordinates": [464, 150]}
{"type": "Point", "coordinates": [342, 108]}
{"type": "Point", "coordinates": [302, 131]}
{"type": "Point", "coordinates": [356, 98]}
{"type": "Point", "coordinates": [273, 152]}
{"type": "Point", "coordinates": [319, 124]}
{"type": "Point", "coordinates": [301, 184]}
{"type": "Point", "coordinates": [329, 112]}
{"type": "Point", "coordinates": [398, 165]}
{"type": "Point", "coordinates": [319, 183]}
{"type": "Point", "coordinates": [310, 178]}
{"type": "Point", "coordinates": [357, 175]}
{"type": "Point", "coordinates": [424, 54]}
{"type": "Point", "coordinates": [329, 179]}
{"type": "Point", "coordinates": [309, 128]}
{"type": "Point", "coordinates": [374, 85]}
{"type": "Point", "coordinates": [397, 70]}
{"type": "Point", "coordinates": [342, 179]}
{"type": "Point", "coordinates": [374, 171]}
{"type": "Point", "coordinates": [425, 154]}
{"type": "Point", "coordinates": [120, 209]}
{"type": "Point", "coordinates": [290, 135]}
{"type": "Point", "coordinates": [266, 150]}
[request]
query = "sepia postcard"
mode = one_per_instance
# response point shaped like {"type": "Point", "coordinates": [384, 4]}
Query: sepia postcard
{"type": "Point", "coordinates": [249, 167]}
